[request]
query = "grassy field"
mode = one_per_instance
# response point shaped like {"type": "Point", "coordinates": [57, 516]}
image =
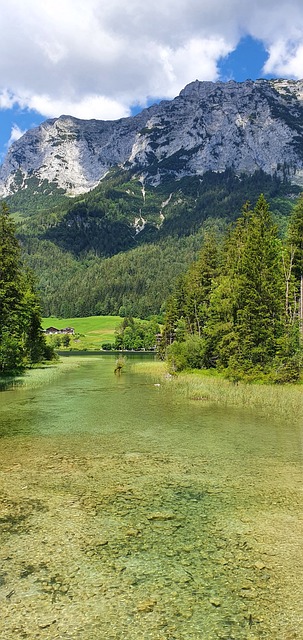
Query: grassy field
{"type": "Point", "coordinates": [90, 332]}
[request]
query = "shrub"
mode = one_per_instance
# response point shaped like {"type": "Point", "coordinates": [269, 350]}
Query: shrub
{"type": "Point", "coordinates": [106, 346]}
{"type": "Point", "coordinates": [189, 354]}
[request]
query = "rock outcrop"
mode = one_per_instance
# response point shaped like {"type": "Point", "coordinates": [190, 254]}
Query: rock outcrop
{"type": "Point", "coordinates": [209, 126]}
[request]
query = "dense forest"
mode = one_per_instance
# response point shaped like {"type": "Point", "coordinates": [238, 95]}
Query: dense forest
{"type": "Point", "coordinates": [238, 308]}
{"type": "Point", "coordinates": [228, 288]}
{"type": "Point", "coordinates": [121, 246]}
{"type": "Point", "coordinates": [22, 341]}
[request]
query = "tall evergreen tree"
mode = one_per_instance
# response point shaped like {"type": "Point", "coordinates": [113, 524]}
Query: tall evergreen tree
{"type": "Point", "coordinates": [173, 314]}
{"type": "Point", "coordinates": [247, 313]}
{"type": "Point", "coordinates": [21, 338]}
{"type": "Point", "coordinates": [187, 307]}
{"type": "Point", "coordinates": [295, 239]}
{"type": "Point", "coordinates": [198, 282]}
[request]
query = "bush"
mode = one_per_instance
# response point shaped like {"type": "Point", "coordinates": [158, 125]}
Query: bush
{"type": "Point", "coordinates": [106, 346]}
{"type": "Point", "coordinates": [189, 354]}
{"type": "Point", "coordinates": [49, 352]}
{"type": "Point", "coordinates": [288, 370]}
{"type": "Point", "coordinates": [11, 354]}
{"type": "Point", "coordinates": [56, 341]}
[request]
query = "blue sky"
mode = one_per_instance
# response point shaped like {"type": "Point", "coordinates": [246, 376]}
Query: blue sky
{"type": "Point", "coordinates": [107, 59]}
{"type": "Point", "coordinates": [245, 62]}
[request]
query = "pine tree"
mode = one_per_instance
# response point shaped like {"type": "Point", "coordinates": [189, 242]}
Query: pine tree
{"type": "Point", "coordinates": [295, 240]}
{"type": "Point", "coordinates": [246, 311]}
{"type": "Point", "coordinates": [198, 283]}
{"type": "Point", "coordinates": [172, 315]}
{"type": "Point", "coordinates": [187, 308]}
{"type": "Point", "coordinates": [21, 337]}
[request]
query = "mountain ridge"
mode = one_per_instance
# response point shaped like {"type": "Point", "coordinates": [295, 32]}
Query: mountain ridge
{"type": "Point", "coordinates": [209, 126]}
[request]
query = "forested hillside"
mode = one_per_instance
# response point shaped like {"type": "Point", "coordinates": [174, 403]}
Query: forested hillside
{"type": "Point", "coordinates": [124, 244]}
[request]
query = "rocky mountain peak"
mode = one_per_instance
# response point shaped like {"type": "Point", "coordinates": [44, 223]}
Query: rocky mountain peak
{"type": "Point", "coordinates": [210, 126]}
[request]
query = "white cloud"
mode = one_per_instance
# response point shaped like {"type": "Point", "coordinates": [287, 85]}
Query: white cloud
{"type": "Point", "coordinates": [16, 133]}
{"type": "Point", "coordinates": [7, 100]}
{"type": "Point", "coordinates": [285, 59]}
{"type": "Point", "coordinates": [88, 107]}
{"type": "Point", "coordinates": [96, 58]}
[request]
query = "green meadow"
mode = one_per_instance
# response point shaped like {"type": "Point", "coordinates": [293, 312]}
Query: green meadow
{"type": "Point", "coordinates": [90, 332]}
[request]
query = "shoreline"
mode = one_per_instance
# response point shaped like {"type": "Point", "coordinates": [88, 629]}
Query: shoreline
{"type": "Point", "coordinates": [211, 388]}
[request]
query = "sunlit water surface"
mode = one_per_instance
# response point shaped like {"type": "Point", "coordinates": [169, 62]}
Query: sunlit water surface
{"type": "Point", "coordinates": [128, 513]}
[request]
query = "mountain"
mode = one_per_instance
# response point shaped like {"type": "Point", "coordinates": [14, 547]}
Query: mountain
{"type": "Point", "coordinates": [109, 214]}
{"type": "Point", "coordinates": [216, 126]}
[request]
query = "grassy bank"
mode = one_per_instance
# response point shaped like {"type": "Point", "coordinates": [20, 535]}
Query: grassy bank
{"type": "Point", "coordinates": [40, 375]}
{"type": "Point", "coordinates": [90, 332]}
{"type": "Point", "coordinates": [206, 387]}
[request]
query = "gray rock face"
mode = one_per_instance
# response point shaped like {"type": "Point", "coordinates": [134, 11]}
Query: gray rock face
{"type": "Point", "coordinates": [209, 126]}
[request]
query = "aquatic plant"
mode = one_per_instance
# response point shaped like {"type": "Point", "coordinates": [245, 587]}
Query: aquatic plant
{"type": "Point", "coordinates": [212, 387]}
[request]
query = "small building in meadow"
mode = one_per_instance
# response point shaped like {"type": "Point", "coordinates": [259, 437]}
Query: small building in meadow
{"type": "Point", "coordinates": [53, 331]}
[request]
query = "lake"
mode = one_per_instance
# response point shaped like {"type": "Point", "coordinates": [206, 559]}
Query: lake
{"type": "Point", "coordinates": [128, 512]}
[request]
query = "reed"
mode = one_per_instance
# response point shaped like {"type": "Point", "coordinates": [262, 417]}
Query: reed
{"type": "Point", "coordinates": [38, 376]}
{"type": "Point", "coordinates": [210, 387]}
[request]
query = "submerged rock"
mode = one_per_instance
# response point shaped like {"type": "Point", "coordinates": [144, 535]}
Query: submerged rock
{"type": "Point", "coordinates": [146, 605]}
{"type": "Point", "coordinates": [161, 515]}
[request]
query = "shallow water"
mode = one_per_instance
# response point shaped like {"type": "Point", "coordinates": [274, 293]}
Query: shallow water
{"type": "Point", "coordinates": [127, 513]}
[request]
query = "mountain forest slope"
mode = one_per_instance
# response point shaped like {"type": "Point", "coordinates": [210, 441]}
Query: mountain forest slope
{"type": "Point", "coordinates": [90, 260]}
{"type": "Point", "coordinates": [144, 189]}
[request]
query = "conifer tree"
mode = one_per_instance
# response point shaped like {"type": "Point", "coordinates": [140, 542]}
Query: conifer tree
{"type": "Point", "coordinates": [247, 313]}
{"type": "Point", "coordinates": [235, 304]}
{"type": "Point", "coordinates": [172, 316]}
{"type": "Point", "coordinates": [21, 337]}
{"type": "Point", "coordinates": [295, 238]}
{"type": "Point", "coordinates": [187, 308]}
{"type": "Point", "coordinates": [198, 283]}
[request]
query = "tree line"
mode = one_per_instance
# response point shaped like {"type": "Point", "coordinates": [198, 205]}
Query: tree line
{"type": "Point", "coordinates": [239, 307]}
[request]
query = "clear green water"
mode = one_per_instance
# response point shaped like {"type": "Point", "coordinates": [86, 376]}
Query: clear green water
{"type": "Point", "coordinates": [129, 513]}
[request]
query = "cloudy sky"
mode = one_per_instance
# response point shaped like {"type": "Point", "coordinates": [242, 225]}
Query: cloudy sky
{"type": "Point", "coordinates": [107, 59]}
